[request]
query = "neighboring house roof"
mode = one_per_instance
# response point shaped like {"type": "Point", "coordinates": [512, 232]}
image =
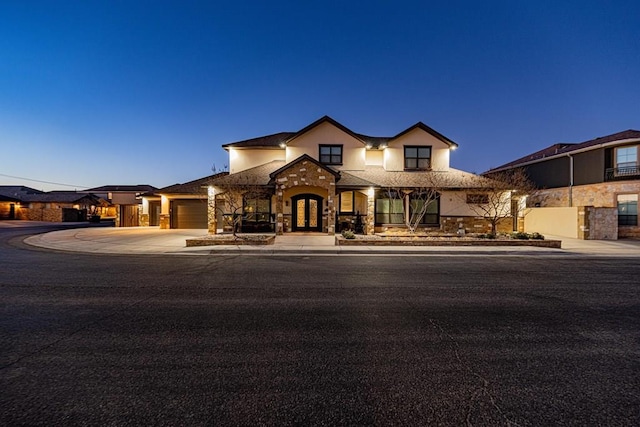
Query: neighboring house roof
{"type": "Point", "coordinates": [8, 199]}
{"type": "Point", "coordinates": [561, 149]}
{"type": "Point", "coordinates": [61, 197]}
{"type": "Point", "coordinates": [18, 191]}
{"type": "Point", "coordinates": [277, 139]}
{"type": "Point", "coordinates": [140, 188]}
{"type": "Point", "coordinates": [197, 186]}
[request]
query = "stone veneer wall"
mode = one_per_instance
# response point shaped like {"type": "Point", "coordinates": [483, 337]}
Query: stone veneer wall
{"type": "Point", "coordinates": [597, 223]}
{"type": "Point", "coordinates": [305, 174]}
{"type": "Point", "coordinates": [473, 224]}
{"type": "Point", "coordinates": [40, 212]}
{"type": "Point", "coordinates": [601, 195]}
{"type": "Point", "coordinates": [598, 195]}
{"type": "Point", "coordinates": [165, 221]}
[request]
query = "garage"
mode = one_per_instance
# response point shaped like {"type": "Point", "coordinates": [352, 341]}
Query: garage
{"type": "Point", "coordinates": [188, 213]}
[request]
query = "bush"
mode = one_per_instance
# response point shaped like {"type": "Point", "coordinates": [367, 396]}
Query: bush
{"type": "Point", "coordinates": [487, 236]}
{"type": "Point", "coordinates": [348, 234]}
{"type": "Point", "coordinates": [526, 236]}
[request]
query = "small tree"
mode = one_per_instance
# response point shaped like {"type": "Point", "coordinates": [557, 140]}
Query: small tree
{"type": "Point", "coordinates": [422, 193]}
{"type": "Point", "coordinates": [229, 199]}
{"type": "Point", "coordinates": [491, 196]}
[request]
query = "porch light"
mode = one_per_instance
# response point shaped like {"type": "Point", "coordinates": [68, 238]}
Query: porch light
{"type": "Point", "coordinates": [368, 146]}
{"type": "Point", "coordinates": [383, 146]}
{"type": "Point", "coordinates": [283, 145]}
{"type": "Point", "coordinates": [371, 192]}
{"type": "Point", "coordinates": [453, 147]}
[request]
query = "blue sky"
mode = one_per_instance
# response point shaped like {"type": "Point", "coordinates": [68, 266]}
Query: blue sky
{"type": "Point", "coordinates": [145, 92]}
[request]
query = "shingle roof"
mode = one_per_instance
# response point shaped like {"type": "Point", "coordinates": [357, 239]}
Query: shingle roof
{"type": "Point", "coordinates": [18, 191]}
{"type": "Point", "coordinates": [377, 176]}
{"type": "Point", "coordinates": [559, 149]}
{"type": "Point", "coordinates": [258, 175]}
{"type": "Point", "coordinates": [60, 197]}
{"type": "Point", "coordinates": [140, 188]}
{"type": "Point", "coordinates": [263, 141]}
{"type": "Point", "coordinates": [192, 187]}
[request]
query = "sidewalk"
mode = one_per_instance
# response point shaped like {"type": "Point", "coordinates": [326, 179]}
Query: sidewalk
{"type": "Point", "coordinates": [152, 240]}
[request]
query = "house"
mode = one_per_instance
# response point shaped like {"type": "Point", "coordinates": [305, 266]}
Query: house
{"type": "Point", "coordinates": [597, 180]}
{"type": "Point", "coordinates": [325, 178]}
{"type": "Point", "coordinates": [55, 206]}
{"type": "Point", "coordinates": [124, 204]}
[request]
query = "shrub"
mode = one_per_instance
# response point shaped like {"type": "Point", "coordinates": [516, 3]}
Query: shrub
{"type": "Point", "coordinates": [348, 234]}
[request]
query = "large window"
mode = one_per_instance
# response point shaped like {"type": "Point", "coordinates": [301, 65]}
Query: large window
{"type": "Point", "coordinates": [257, 209]}
{"type": "Point", "coordinates": [626, 157]}
{"type": "Point", "coordinates": [331, 154]}
{"type": "Point", "coordinates": [389, 208]}
{"type": "Point", "coordinates": [432, 211]}
{"type": "Point", "coordinates": [417, 158]}
{"type": "Point", "coordinates": [628, 209]}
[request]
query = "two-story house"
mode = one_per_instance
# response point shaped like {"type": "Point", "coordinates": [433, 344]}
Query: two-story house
{"type": "Point", "coordinates": [325, 177]}
{"type": "Point", "coordinates": [599, 173]}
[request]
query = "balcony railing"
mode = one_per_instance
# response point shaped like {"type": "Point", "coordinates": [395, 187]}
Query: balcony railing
{"type": "Point", "coordinates": [627, 172]}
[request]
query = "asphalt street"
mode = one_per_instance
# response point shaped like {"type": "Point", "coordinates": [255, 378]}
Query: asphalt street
{"type": "Point", "coordinates": [91, 339]}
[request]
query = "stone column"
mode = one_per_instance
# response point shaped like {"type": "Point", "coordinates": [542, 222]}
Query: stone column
{"type": "Point", "coordinates": [280, 209]}
{"type": "Point", "coordinates": [371, 212]}
{"type": "Point", "coordinates": [165, 221]}
{"type": "Point", "coordinates": [212, 217]}
{"type": "Point", "coordinates": [331, 206]}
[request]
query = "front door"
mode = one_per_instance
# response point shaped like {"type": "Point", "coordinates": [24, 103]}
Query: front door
{"type": "Point", "coordinates": [307, 212]}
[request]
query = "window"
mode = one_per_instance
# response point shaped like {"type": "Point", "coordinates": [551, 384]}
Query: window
{"type": "Point", "coordinates": [331, 154]}
{"type": "Point", "coordinates": [346, 202]}
{"type": "Point", "coordinates": [389, 208]}
{"type": "Point", "coordinates": [627, 157]}
{"type": "Point", "coordinates": [628, 209]}
{"type": "Point", "coordinates": [257, 209]}
{"type": "Point", "coordinates": [417, 158]}
{"type": "Point", "coordinates": [477, 199]}
{"type": "Point", "coordinates": [431, 213]}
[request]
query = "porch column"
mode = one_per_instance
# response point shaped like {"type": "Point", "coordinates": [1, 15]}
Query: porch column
{"type": "Point", "coordinates": [331, 206]}
{"type": "Point", "coordinates": [212, 223]}
{"type": "Point", "coordinates": [371, 211]}
{"type": "Point", "coordinates": [280, 209]}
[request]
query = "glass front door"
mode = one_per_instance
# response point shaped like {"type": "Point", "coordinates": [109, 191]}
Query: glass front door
{"type": "Point", "coordinates": [307, 212]}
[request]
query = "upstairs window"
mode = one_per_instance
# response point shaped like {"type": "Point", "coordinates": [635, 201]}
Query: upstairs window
{"type": "Point", "coordinates": [331, 154]}
{"type": "Point", "coordinates": [627, 157]}
{"type": "Point", "coordinates": [417, 158]}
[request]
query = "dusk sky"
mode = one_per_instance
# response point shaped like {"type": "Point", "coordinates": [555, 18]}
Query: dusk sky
{"type": "Point", "coordinates": [145, 92]}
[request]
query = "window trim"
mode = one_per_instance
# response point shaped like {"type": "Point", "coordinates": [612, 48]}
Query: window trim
{"type": "Point", "coordinates": [627, 222]}
{"type": "Point", "coordinates": [615, 156]}
{"type": "Point", "coordinates": [417, 158]}
{"type": "Point", "coordinates": [331, 155]}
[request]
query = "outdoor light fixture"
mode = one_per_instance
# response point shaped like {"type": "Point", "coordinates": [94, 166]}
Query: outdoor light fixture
{"type": "Point", "coordinates": [453, 147]}
{"type": "Point", "coordinates": [383, 146]}
{"type": "Point", "coordinates": [283, 145]}
{"type": "Point", "coordinates": [368, 146]}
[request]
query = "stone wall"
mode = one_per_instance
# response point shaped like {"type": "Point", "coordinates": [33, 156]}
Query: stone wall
{"type": "Point", "coordinates": [597, 195]}
{"type": "Point", "coordinates": [50, 212]}
{"type": "Point", "coordinates": [598, 223]}
{"type": "Point", "coordinates": [305, 173]}
{"type": "Point", "coordinates": [473, 224]}
{"type": "Point", "coordinates": [165, 221]}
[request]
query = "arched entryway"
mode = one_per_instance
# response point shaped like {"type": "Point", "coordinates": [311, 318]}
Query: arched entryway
{"type": "Point", "coordinates": [306, 212]}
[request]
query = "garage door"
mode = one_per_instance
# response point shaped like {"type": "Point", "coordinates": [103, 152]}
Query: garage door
{"type": "Point", "coordinates": [188, 214]}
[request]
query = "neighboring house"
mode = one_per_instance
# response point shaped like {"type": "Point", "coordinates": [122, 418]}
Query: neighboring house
{"type": "Point", "coordinates": [124, 204]}
{"type": "Point", "coordinates": [11, 201]}
{"type": "Point", "coordinates": [326, 177]}
{"type": "Point", "coordinates": [54, 206]}
{"type": "Point", "coordinates": [599, 179]}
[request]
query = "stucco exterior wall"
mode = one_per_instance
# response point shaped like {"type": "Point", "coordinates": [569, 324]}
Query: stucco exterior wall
{"type": "Point", "coordinates": [242, 159]}
{"type": "Point", "coordinates": [374, 157]}
{"type": "Point", "coordinates": [353, 150]}
{"type": "Point", "coordinates": [559, 221]}
{"type": "Point", "coordinates": [394, 153]}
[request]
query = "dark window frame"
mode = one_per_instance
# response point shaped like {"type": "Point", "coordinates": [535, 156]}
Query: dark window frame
{"type": "Point", "coordinates": [353, 203]}
{"type": "Point", "coordinates": [412, 162]}
{"type": "Point", "coordinates": [256, 216]}
{"type": "Point", "coordinates": [385, 218]}
{"type": "Point", "coordinates": [331, 158]}
{"type": "Point", "coordinates": [627, 219]}
{"type": "Point", "coordinates": [429, 218]}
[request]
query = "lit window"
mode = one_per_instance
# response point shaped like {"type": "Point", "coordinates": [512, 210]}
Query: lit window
{"type": "Point", "coordinates": [417, 158]}
{"type": "Point", "coordinates": [389, 208]}
{"type": "Point", "coordinates": [628, 209]}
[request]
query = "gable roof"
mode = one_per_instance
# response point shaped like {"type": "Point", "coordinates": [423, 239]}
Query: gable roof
{"type": "Point", "coordinates": [300, 159]}
{"type": "Point", "coordinates": [560, 149]}
{"type": "Point", "coordinates": [277, 139]}
{"type": "Point", "coordinates": [61, 197]}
